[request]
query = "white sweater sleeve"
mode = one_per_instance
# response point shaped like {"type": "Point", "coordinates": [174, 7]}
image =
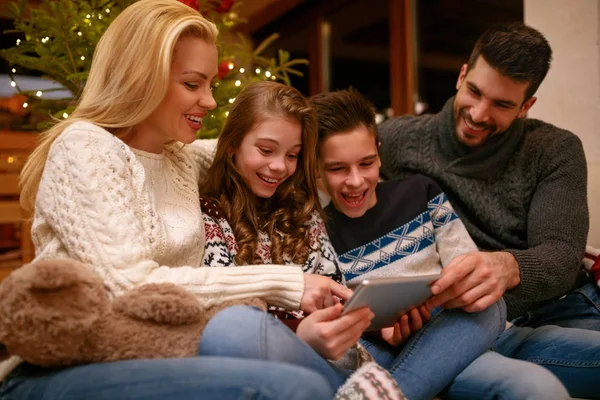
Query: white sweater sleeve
{"type": "Point", "coordinates": [89, 207]}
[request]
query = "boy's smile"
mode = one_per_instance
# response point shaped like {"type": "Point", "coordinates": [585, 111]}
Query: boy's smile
{"type": "Point", "coordinates": [349, 165]}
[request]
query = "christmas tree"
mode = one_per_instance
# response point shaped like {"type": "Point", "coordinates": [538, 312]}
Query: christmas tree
{"type": "Point", "coordinates": [60, 37]}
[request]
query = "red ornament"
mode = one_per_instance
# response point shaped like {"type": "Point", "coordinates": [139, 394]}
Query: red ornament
{"type": "Point", "coordinates": [191, 3]}
{"type": "Point", "coordinates": [224, 68]}
{"type": "Point", "coordinates": [224, 6]}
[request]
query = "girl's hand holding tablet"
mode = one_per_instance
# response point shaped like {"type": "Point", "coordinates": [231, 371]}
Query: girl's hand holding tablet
{"type": "Point", "coordinates": [330, 334]}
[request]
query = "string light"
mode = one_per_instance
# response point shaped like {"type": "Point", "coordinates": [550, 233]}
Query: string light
{"type": "Point", "coordinates": [107, 11]}
{"type": "Point", "coordinates": [10, 160]}
{"type": "Point", "coordinates": [232, 100]}
{"type": "Point", "coordinates": [258, 70]}
{"type": "Point", "coordinates": [88, 16]}
{"type": "Point", "coordinates": [79, 33]}
{"type": "Point", "coordinates": [39, 93]}
{"type": "Point", "coordinates": [99, 16]}
{"type": "Point", "coordinates": [273, 77]}
{"type": "Point", "coordinates": [238, 83]}
{"type": "Point", "coordinates": [242, 70]}
{"type": "Point", "coordinates": [18, 42]}
{"type": "Point", "coordinates": [230, 66]}
{"type": "Point", "coordinates": [268, 74]}
{"type": "Point", "coordinates": [25, 105]}
{"type": "Point", "coordinates": [13, 83]}
{"type": "Point", "coordinates": [14, 70]}
{"type": "Point", "coordinates": [82, 58]}
{"type": "Point", "coordinates": [227, 113]}
{"type": "Point", "coordinates": [65, 115]}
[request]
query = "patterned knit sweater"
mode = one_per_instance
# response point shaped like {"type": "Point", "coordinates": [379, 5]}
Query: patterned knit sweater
{"type": "Point", "coordinates": [411, 230]}
{"type": "Point", "coordinates": [524, 191]}
{"type": "Point", "coordinates": [135, 218]}
{"type": "Point", "coordinates": [221, 245]}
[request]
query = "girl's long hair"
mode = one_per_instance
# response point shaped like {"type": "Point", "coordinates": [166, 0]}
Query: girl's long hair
{"type": "Point", "coordinates": [128, 78]}
{"type": "Point", "coordinates": [285, 216]}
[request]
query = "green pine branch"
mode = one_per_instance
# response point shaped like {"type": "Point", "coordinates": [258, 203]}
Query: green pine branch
{"type": "Point", "coordinates": [61, 35]}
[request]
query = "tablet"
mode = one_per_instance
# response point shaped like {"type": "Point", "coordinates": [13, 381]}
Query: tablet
{"type": "Point", "coordinates": [388, 298]}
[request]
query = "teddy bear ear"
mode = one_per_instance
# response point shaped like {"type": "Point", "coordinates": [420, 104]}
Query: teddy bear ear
{"type": "Point", "coordinates": [56, 274]}
{"type": "Point", "coordinates": [47, 311]}
{"type": "Point", "coordinates": [161, 303]}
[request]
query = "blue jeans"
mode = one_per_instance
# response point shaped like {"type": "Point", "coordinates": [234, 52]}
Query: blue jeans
{"type": "Point", "coordinates": [425, 365]}
{"type": "Point", "coordinates": [578, 309]}
{"type": "Point", "coordinates": [245, 332]}
{"type": "Point", "coordinates": [180, 378]}
{"type": "Point", "coordinates": [438, 352]}
{"type": "Point", "coordinates": [547, 336]}
{"type": "Point", "coordinates": [495, 377]}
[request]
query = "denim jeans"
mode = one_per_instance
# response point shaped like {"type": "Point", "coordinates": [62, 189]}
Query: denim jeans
{"type": "Point", "coordinates": [495, 377]}
{"type": "Point", "coordinates": [547, 336]}
{"type": "Point", "coordinates": [245, 332]}
{"type": "Point", "coordinates": [425, 365]}
{"type": "Point", "coordinates": [578, 309]}
{"type": "Point", "coordinates": [181, 378]}
{"type": "Point", "coordinates": [439, 351]}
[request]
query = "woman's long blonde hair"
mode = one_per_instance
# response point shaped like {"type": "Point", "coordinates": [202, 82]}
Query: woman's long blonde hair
{"type": "Point", "coordinates": [285, 216]}
{"type": "Point", "coordinates": [128, 78]}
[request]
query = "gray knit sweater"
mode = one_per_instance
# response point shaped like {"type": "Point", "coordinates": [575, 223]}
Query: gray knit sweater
{"type": "Point", "coordinates": [524, 191]}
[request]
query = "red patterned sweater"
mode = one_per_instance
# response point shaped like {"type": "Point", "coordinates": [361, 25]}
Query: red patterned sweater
{"type": "Point", "coordinates": [221, 247]}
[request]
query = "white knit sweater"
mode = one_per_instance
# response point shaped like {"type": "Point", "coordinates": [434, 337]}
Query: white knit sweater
{"type": "Point", "coordinates": [135, 218]}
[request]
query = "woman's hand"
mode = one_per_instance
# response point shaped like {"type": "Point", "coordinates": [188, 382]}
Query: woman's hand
{"type": "Point", "coordinates": [407, 325]}
{"type": "Point", "coordinates": [319, 292]}
{"type": "Point", "coordinates": [330, 334]}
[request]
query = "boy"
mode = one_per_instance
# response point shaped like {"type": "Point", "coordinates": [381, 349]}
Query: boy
{"type": "Point", "coordinates": [395, 228]}
{"type": "Point", "coordinates": [399, 228]}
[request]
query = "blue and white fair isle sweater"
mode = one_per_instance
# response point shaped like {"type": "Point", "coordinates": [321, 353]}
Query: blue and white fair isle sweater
{"type": "Point", "coordinates": [411, 230]}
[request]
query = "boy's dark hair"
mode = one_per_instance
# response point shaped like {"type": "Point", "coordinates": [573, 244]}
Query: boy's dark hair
{"type": "Point", "coordinates": [518, 51]}
{"type": "Point", "coordinates": [342, 111]}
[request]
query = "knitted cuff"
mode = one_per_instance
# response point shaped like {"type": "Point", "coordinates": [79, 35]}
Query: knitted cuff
{"type": "Point", "coordinates": [533, 277]}
{"type": "Point", "coordinates": [370, 382]}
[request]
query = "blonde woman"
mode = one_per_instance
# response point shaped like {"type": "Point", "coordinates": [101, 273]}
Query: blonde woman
{"type": "Point", "coordinates": [116, 187]}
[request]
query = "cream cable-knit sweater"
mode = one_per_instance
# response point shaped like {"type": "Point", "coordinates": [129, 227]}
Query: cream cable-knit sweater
{"type": "Point", "coordinates": [135, 218]}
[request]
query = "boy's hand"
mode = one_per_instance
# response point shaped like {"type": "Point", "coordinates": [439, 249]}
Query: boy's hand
{"type": "Point", "coordinates": [330, 334]}
{"type": "Point", "coordinates": [407, 325]}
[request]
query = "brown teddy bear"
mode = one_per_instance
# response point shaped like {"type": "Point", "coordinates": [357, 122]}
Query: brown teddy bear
{"type": "Point", "coordinates": [56, 313]}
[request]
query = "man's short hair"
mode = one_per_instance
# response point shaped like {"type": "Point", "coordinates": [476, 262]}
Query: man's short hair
{"type": "Point", "coordinates": [518, 51]}
{"type": "Point", "coordinates": [343, 111]}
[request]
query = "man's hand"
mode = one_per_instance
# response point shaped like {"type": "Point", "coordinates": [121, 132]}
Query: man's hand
{"type": "Point", "coordinates": [475, 281]}
{"type": "Point", "coordinates": [330, 334]}
{"type": "Point", "coordinates": [407, 325]}
{"type": "Point", "coordinates": [319, 292]}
